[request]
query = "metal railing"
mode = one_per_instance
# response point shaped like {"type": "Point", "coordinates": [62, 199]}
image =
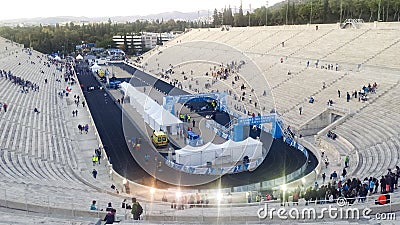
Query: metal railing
{"type": "Point", "coordinates": [217, 206]}
{"type": "Point", "coordinates": [313, 210]}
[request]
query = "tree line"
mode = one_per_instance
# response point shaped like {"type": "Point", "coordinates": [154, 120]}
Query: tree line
{"type": "Point", "coordinates": [310, 11]}
{"type": "Point", "coordinates": [57, 38]}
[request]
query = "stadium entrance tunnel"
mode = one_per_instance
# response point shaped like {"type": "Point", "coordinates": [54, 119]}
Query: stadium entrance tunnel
{"type": "Point", "coordinates": [321, 123]}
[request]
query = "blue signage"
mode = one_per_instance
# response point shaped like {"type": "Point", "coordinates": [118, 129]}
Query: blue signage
{"type": "Point", "coordinates": [257, 120]}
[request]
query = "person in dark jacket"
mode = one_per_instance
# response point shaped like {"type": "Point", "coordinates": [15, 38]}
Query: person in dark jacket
{"type": "Point", "coordinates": [110, 217]}
{"type": "Point", "coordinates": [109, 207]}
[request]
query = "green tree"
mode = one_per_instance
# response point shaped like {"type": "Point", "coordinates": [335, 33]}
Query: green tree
{"type": "Point", "coordinates": [216, 20]}
{"type": "Point", "coordinates": [228, 17]}
{"type": "Point", "coordinates": [239, 18]}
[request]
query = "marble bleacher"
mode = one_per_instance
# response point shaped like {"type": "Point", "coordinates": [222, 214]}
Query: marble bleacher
{"type": "Point", "coordinates": [39, 159]}
{"type": "Point", "coordinates": [32, 218]}
{"type": "Point", "coordinates": [329, 43]}
{"type": "Point", "coordinates": [381, 58]}
{"type": "Point", "coordinates": [374, 132]}
{"type": "Point", "coordinates": [348, 53]}
{"type": "Point", "coordinates": [307, 81]}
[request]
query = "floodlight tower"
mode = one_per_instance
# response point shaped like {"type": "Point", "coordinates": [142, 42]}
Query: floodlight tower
{"type": "Point", "coordinates": [287, 11]}
{"type": "Point", "coordinates": [379, 10]}
{"type": "Point", "coordinates": [311, 12]}
{"type": "Point", "coordinates": [341, 10]}
{"type": "Point", "coordinates": [249, 15]}
{"type": "Point", "coordinates": [266, 13]}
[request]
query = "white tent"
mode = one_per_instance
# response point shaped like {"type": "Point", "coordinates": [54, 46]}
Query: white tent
{"type": "Point", "coordinates": [229, 152]}
{"type": "Point", "coordinates": [152, 113]}
{"type": "Point", "coordinates": [95, 67]}
{"type": "Point", "coordinates": [57, 58]}
{"type": "Point", "coordinates": [79, 57]}
{"type": "Point", "coordinates": [137, 100]}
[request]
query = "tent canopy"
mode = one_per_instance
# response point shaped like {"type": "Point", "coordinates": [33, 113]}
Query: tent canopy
{"type": "Point", "coordinates": [79, 57]}
{"type": "Point", "coordinates": [229, 152]}
{"type": "Point", "coordinates": [153, 113]}
{"type": "Point", "coordinates": [95, 67]}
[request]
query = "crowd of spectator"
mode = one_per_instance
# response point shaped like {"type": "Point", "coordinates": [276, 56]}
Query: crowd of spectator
{"type": "Point", "coordinates": [189, 201]}
{"type": "Point", "coordinates": [352, 189]}
{"type": "Point", "coordinates": [25, 85]}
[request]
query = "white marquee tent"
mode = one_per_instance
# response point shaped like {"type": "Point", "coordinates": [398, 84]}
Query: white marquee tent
{"type": "Point", "coordinates": [229, 152]}
{"type": "Point", "coordinates": [79, 57]}
{"type": "Point", "coordinates": [153, 114]}
{"type": "Point", "coordinates": [95, 67]}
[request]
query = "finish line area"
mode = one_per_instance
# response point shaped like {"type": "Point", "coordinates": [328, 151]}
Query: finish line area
{"type": "Point", "coordinates": [281, 159]}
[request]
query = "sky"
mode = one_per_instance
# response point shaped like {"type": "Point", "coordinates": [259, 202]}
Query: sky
{"type": "Point", "coordinates": [15, 9]}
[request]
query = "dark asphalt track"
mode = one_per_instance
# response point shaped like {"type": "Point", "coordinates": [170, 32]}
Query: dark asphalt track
{"type": "Point", "coordinates": [281, 159]}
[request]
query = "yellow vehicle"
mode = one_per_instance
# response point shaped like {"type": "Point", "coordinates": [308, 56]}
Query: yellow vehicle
{"type": "Point", "coordinates": [100, 73]}
{"type": "Point", "coordinates": [159, 139]}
